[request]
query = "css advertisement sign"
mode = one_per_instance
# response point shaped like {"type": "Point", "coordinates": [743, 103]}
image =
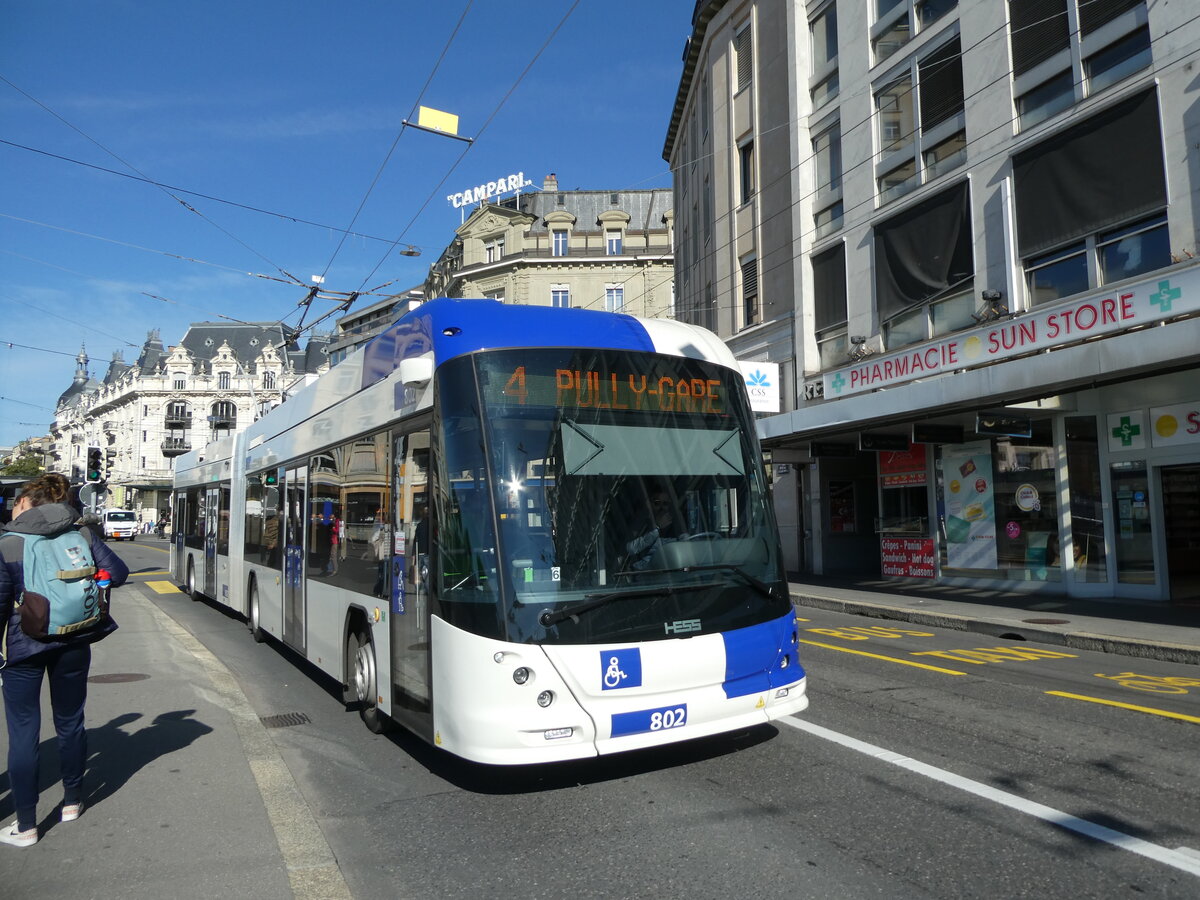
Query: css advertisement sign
{"type": "Point", "coordinates": [762, 384]}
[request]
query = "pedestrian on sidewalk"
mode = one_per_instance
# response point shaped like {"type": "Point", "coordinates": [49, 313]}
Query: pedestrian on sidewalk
{"type": "Point", "coordinates": [42, 509]}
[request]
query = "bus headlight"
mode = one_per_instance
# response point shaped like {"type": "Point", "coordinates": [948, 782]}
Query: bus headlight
{"type": "Point", "coordinates": [520, 675]}
{"type": "Point", "coordinates": [545, 698]}
{"type": "Point", "coordinates": [785, 662]}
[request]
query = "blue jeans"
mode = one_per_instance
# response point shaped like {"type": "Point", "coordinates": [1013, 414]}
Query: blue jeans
{"type": "Point", "coordinates": [68, 671]}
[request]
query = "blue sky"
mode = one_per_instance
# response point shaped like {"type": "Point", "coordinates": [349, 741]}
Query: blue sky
{"type": "Point", "coordinates": [290, 108]}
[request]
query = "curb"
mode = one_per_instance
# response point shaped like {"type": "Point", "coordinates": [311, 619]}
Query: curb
{"type": "Point", "coordinates": [1077, 640]}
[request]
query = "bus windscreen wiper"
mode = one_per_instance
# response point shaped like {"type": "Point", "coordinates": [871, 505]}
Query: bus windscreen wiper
{"type": "Point", "coordinates": [759, 585]}
{"type": "Point", "coordinates": [594, 601]}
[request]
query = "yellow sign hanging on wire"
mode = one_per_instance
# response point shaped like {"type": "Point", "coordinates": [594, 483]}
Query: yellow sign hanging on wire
{"type": "Point", "coordinates": [436, 120]}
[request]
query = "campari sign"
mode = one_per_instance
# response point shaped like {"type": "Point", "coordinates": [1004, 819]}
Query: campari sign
{"type": "Point", "coordinates": [1170, 295]}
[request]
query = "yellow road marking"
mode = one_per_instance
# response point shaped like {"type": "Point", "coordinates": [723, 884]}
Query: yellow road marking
{"type": "Point", "coordinates": [144, 574]}
{"type": "Point", "coordinates": [163, 587]}
{"type": "Point", "coordinates": [903, 662]}
{"type": "Point", "coordinates": [798, 619]}
{"type": "Point", "coordinates": [1145, 709]}
{"type": "Point", "coordinates": [159, 549]}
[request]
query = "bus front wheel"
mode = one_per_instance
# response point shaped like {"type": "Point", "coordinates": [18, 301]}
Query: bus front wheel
{"type": "Point", "coordinates": [363, 680]}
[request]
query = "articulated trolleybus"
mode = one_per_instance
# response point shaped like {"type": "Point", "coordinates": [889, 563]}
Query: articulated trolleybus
{"type": "Point", "coordinates": [525, 534]}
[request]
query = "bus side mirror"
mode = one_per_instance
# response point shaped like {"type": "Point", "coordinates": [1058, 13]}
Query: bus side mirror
{"type": "Point", "coordinates": [416, 370]}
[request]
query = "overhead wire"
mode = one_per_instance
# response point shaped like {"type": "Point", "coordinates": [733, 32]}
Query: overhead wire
{"type": "Point", "coordinates": [403, 125]}
{"type": "Point", "coordinates": [1158, 64]}
{"type": "Point", "coordinates": [467, 149]}
{"type": "Point", "coordinates": [134, 168]}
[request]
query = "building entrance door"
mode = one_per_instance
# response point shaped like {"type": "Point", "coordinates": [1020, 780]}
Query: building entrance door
{"type": "Point", "coordinates": [1181, 518]}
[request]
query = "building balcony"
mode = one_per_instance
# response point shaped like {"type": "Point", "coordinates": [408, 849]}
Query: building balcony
{"type": "Point", "coordinates": [178, 420]}
{"type": "Point", "coordinates": [176, 446]}
{"type": "Point", "coordinates": [222, 421]}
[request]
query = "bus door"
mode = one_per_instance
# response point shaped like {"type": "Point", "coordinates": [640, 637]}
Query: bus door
{"type": "Point", "coordinates": [178, 518]}
{"type": "Point", "coordinates": [212, 516]}
{"type": "Point", "coordinates": [295, 520]}
{"type": "Point", "coordinates": [411, 673]}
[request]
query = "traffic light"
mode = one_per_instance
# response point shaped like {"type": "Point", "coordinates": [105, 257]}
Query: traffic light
{"type": "Point", "coordinates": [110, 457]}
{"type": "Point", "coordinates": [92, 472]}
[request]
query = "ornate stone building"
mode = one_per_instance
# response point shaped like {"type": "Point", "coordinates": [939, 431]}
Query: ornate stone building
{"type": "Point", "coordinates": [586, 249]}
{"type": "Point", "coordinates": [220, 377]}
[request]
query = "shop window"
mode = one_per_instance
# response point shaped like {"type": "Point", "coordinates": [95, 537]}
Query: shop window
{"type": "Point", "coordinates": [1134, 538]}
{"type": "Point", "coordinates": [1086, 504]}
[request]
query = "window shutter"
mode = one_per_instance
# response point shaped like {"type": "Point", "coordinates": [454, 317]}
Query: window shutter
{"type": "Point", "coordinates": [744, 49]}
{"type": "Point", "coordinates": [829, 287]}
{"type": "Point", "coordinates": [941, 81]}
{"type": "Point", "coordinates": [1095, 13]}
{"type": "Point", "coordinates": [750, 278]}
{"type": "Point", "coordinates": [1038, 29]}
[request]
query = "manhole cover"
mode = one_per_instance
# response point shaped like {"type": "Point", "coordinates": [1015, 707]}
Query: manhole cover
{"type": "Point", "coordinates": [284, 720]}
{"type": "Point", "coordinates": [117, 677]}
{"type": "Point", "coordinates": [1046, 621]}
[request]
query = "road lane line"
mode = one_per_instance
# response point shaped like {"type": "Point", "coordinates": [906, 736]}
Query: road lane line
{"type": "Point", "coordinates": [903, 662]}
{"type": "Point", "coordinates": [1057, 817]}
{"type": "Point", "coordinates": [1145, 709]}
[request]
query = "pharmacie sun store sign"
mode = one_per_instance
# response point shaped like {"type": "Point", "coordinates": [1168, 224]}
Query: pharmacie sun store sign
{"type": "Point", "coordinates": [1140, 304]}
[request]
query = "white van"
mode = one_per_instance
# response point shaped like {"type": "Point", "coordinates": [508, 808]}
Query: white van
{"type": "Point", "coordinates": [120, 524]}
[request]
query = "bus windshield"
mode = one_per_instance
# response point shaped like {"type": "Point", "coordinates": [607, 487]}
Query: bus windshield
{"type": "Point", "coordinates": [602, 495]}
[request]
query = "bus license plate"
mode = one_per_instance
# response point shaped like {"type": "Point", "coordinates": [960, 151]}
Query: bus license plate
{"type": "Point", "coordinates": [649, 720]}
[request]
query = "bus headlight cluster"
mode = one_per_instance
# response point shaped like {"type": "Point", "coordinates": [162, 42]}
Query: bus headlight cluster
{"type": "Point", "coordinates": [545, 698]}
{"type": "Point", "coordinates": [520, 675]}
{"type": "Point", "coordinates": [785, 661]}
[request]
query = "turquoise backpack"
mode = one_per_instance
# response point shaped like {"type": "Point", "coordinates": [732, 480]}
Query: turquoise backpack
{"type": "Point", "coordinates": [61, 596]}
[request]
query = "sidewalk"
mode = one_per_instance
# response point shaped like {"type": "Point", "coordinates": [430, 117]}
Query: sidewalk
{"type": "Point", "coordinates": [1129, 627]}
{"type": "Point", "coordinates": [173, 806]}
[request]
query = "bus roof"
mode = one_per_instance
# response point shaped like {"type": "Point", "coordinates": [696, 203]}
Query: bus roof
{"type": "Point", "coordinates": [451, 328]}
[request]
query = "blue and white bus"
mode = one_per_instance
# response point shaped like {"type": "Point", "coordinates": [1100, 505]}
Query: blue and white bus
{"type": "Point", "coordinates": [525, 534]}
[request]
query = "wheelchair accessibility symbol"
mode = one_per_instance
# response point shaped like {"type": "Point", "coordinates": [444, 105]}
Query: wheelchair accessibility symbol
{"type": "Point", "coordinates": [620, 669]}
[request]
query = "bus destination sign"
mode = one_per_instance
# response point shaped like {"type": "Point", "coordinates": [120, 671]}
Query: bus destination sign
{"type": "Point", "coordinates": [623, 390]}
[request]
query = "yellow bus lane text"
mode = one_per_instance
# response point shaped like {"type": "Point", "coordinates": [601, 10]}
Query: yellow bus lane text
{"type": "Point", "coordinates": [981, 656]}
{"type": "Point", "coordinates": [866, 632]}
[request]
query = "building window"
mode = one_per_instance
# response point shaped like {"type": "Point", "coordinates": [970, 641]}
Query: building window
{"type": "Point", "coordinates": [827, 167]}
{"type": "Point", "coordinates": [614, 297]}
{"type": "Point", "coordinates": [269, 381]}
{"type": "Point", "coordinates": [743, 50]}
{"type": "Point", "coordinates": [560, 241]}
{"type": "Point", "coordinates": [746, 168]}
{"type": "Point", "coordinates": [224, 415]}
{"type": "Point", "coordinates": [919, 294]}
{"type": "Point", "coordinates": [612, 242]}
{"type": "Point", "coordinates": [1118, 60]}
{"type": "Point", "coordinates": [560, 295]}
{"type": "Point", "coordinates": [751, 308]}
{"type": "Point", "coordinates": [178, 381]}
{"type": "Point", "coordinates": [493, 250]}
{"type": "Point", "coordinates": [829, 306]}
{"type": "Point", "coordinates": [924, 136]}
{"type": "Point", "coordinates": [1111, 43]}
{"type": "Point", "coordinates": [1072, 237]}
{"type": "Point", "coordinates": [823, 30]}
{"type": "Point", "coordinates": [223, 380]}
{"type": "Point", "coordinates": [898, 21]}
{"type": "Point", "coordinates": [497, 295]}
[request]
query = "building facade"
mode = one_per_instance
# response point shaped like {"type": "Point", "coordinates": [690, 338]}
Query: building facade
{"type": "Point", "coordinates": [608, 250]}
{"type": "Point", "coordinates": [996, 310]}
{"type": "Point", "coordinates": [220, 377]}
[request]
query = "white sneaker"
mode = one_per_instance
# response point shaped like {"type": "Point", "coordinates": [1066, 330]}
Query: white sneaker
{"type": "Point", "coordinates": [13, 835]}
{"type": "Point", "coordinates": [72, 811]}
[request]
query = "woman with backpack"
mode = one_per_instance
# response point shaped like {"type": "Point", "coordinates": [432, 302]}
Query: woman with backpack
{"type": "Point", "coordinates": [42, 511]}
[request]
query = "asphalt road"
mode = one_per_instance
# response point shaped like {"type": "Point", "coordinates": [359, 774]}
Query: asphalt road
{"type": "Point", "coordinates": [929, 764]}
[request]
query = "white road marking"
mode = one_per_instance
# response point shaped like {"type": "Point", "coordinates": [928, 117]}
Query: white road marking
{"type": "Point", "coordinates": [1173, 858]}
